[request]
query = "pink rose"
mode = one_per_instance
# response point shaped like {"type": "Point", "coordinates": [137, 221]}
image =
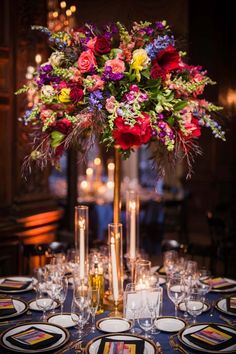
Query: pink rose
{"type": "Point", "coordinates": [62, 85]}
{"type": "Point", "coordinates": [110, 104]}
{"type": "Point", "coordinates": [117, 65]}
{"type": "Point", "coordinates": [91, 43]}
{"type": "Point", "coordinates": [45, 114]}
{"type": "Point", "coordinates": [86, 61]}
{"type": "Point", "coordinates": [97, 83]}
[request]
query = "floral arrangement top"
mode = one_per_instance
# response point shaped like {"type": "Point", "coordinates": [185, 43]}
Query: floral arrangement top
{"type": "Point", "coordinates": [127, 87]}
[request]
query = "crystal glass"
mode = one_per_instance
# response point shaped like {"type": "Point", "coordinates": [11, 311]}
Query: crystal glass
{"type": "Point", "coordinates": [132, 302]}
{"type": "Point", "coordinates": [43, 301]}
{"type": "Point", "coordinates": [62, 293]}
{"type": "Point", "coordinates": [195, 304]}
{"type": "Point", "coordinates": [145, 320]}
{"type": "Point", "coordinates": [142, 273]}
{"type": "Point", "coordinates": [170, 259]}
{"type": "Point", "coordinates": [80, 313]}
{"type": "Point", "coordinates": [176, 290]}
{"type": "Point", "coordinates": [94, 303]}
{"type": "Point", "coordinates": [154, 297]}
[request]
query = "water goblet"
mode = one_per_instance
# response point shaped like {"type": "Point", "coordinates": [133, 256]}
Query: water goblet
{"type": "Point", "coordinates": [80, 313]}
{"type": "Point", "coordinates": [195, 304]}
{"type": "Point", "coordinates": [62, 292]}
{"type": "Point", "coordinates": [44, 302]}
{"type": "Point", "coordinates": [154, 303]}
{"type": "Point", "coordinates": [132, 301]}
{"type": "Point", "coordinates": [169, 261]}
{"type": "Point", "coordinates": [175, 290]}
{"type": "Point", "coordinates": [145, 320]}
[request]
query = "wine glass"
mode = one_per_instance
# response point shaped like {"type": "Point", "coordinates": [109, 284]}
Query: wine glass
{"type": "Point", "coordinates": [195, 304]}
{"type": "Point", "coordinates": [94, 302]}
{"type": "Point", "coordinates": [80, 313]}
{"type": "Point", "coordinates": [175, 290]}
{"type": "Point", "coordinates": [169, 261]}
{"type": "Point", "coordinates": [154, 303]}
{"type": "Point", "coordinates": [43, 301]}
{"type": "Point", "coordinates": [145, 320]}
{"type": "Point", "coordinates": [132, 302]}
{"type": "Point", "coordinates": [62, 292]}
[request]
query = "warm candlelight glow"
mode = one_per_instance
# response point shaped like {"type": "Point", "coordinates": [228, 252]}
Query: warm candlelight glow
{"type": "Point", "coordinates": [38, 59]}
{"type": "Point", "coordinates": [68, 13]}
{"type": "Point", "coordinates": [84, 185]}
{"type": "Point", "coordinates": [114, 270]}
{"type": "Point", "coordinates": [55, 14]}
{"type": "Point", "coordinates": [111, 166]}
{"type": "Point", "coordinates": [82, 247]}
{"type": "Point", "coordinates": [89, 172]}
{"type": "Point", "coordinates": [97, 161]}
{"type": "Point", "coordinates": [110, 185]}
{"type": "Point", "coordinates": [132, 207]}
{"type": "Point", "coordinates": [73, 8]}
{"type": "Point", "coordinates": [63, 4]}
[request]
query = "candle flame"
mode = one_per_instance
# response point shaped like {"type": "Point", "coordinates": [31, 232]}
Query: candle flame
{"type": "Point", "coordinates": [82, 223]}
{"type": "Point", "coordinates": [111, 166]}
{"type": "Point", "coordinates": [97, 161]}
{"type": "Point", "coordinates": [89, 171]}
{"type": "Point", "coordinates": [132, 205]}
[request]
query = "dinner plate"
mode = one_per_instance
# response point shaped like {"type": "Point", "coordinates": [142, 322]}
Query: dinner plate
{"type": "Point", "coordinates": [206, 306]}
{"type": "Point", "coordinates": [24, 279]}
{"type": "Point", "coordinates": [113, 325]}
{"type": "Point", "coordinates": [63, 320]}
{"type": "Point", "coordinates": [231, 282]}
{"type": "Point", "coordinates": [20, 307]}
{"type": "Point", "coordinates": [93, 345]}
{"type": "Point", "coordinates": [221, 305]}
{"type": "Point", "coordinates": [169, 324]}
{"type": "Point", "coordinates": [43, 326]}
{"type": "Point", "coordinates": [199, 326]}
{"type": "Point", "coordinates": [34, 307]}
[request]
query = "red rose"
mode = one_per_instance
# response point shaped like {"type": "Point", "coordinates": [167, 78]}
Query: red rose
{"type": "Point", "coordinates": [102, 45]}
{"type": "Point", "coordinates": [193, 129]}
{"type": "Point", "coordinates": [166, 60]}
{"type": "Point", "coordinates": [127, 136]}
{"type": "Point", "coordinates": [76, 94]}
{"type": "Point", "coordinates": [62, 125]}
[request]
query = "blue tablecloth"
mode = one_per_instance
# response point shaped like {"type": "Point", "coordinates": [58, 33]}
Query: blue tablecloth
{"type": "Point", "coordinates": [162, 338]}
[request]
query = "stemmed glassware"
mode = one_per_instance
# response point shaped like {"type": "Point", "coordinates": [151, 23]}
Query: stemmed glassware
{"type": "Point", "coordinates": [169, 261]}
{"type": "Point", "coordinates": [154, 303]}
{"type": "Point", "coordinates": [195, 304]}
{"type": "Point", "coordinates": [94, 302]}
{"type": "Point", "coordinates": [176, 290]}
{"type": "Point", "coordinates": [80, 313]}
{"type": "Point", "coordinates": [145, 319]}
{"type": "Point", "coordinates": [44, 301]}
{"type": "Point", "coordinates": [132, 304]}
{"type": "Point", "coordinates": [62, 292]}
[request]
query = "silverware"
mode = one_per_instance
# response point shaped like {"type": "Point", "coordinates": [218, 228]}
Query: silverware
{"type": "Point", "coordinates": [228, 320]}
{"type": "Point", "coordinates": [69, 346]}
{"type": "Point", "coordinates": [7, 323]}
{"type": "Point", "coordinates": [175, 345]}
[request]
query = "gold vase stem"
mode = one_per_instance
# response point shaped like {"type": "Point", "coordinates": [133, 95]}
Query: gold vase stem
{"type": "Point", "coordinates": [117, 183]}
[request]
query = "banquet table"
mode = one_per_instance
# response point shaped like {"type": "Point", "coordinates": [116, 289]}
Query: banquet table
{"type": "Point", "coordinates": [211, 316]}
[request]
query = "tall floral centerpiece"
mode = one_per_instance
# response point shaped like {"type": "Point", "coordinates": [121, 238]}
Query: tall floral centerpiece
{"type": "Point", "coordinates": [125, 87]}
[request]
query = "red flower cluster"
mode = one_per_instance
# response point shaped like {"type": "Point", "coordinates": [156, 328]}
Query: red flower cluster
{"type": "Point", "coordinates": [166, 61]}
{"type": "Point", "coordinates": [127, 136]}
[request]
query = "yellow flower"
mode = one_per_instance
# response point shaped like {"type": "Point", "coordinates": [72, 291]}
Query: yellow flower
{"type": "Point", "coordinates": [139, 62]}
{"type": "Point", "coordinates": [64, 95]}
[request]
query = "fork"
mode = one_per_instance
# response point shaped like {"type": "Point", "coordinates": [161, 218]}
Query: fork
{"type": "Point", "coordinates": [175, 345]}
{"type": "Point", "coordinates": [228, 320]}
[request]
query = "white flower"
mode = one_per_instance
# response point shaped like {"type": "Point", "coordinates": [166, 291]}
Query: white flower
{"type": "Point", "coordinates": [56, 58]}
{"type": "Point", "coordinates": [47, 91]}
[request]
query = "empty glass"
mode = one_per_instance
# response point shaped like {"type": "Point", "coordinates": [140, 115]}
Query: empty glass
{"type": "Point", "coordinates": [80, 313]}
{"type": "Point", "coordinates": [169, 261]}
{"type": "Point", "coordinates": [132, 303]}
{"type": "Point", "coordinates": [44, 302]}
{"type": "Point", "coordinates": [145, 320]}
{"type": "Point", "coordinates": [94, 302]}
{"type": "Point", "coordinates": [176, 290]}
{"type": "Point", "coordinates": [195, 304]}
{"type": "Point", "coordinates": [142, 273]}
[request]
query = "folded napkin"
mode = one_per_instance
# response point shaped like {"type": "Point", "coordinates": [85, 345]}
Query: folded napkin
{"type": "Point", "coordinates": [212, 337]}
{"type": "Point", "coordinates": [231, 304]}
{"type": "Point", "coordinates": [6, 307]}
{"type": "Point", "coordinates": [10, 284]}
{"type": "Point", "coordinates": [117, 346]}
{"type": "Point", "coordinates": [220, 283]}
{"type": "Point", "coordinates": [34, 338]}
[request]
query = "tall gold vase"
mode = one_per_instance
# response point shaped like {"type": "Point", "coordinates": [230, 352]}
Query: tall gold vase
{"type": "Point", "coordinates": [117, 184]}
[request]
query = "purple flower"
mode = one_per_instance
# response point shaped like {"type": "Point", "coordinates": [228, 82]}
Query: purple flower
{"type": "Point", "coordinates": [159, 25]}
{"type": "Point", "coordinates": [108, 75]}
{"type": "Point", "coordinates": [46, 68]}
{"type": "Point", "coordinates": [95, 99]}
